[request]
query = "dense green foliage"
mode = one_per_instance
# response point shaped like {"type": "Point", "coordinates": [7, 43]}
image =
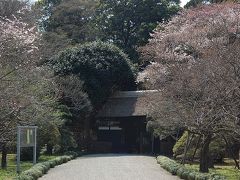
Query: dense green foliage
{"type": "Point", "coordinates": [178, 148]}
{"type": "Point", "coordinates": [184, 172]}
{"type": "Point", "coordinates": [72, 18]}
{"type": "Point", "coordinates": [128, 23]}
{"type": "Point", "coordinates": [194, 3]}
{"type": "Point", "coordinates": [102, 67]}
{"type": "Point", "coordinates": [77, 108]}
{"type": "Point", "coordinates": [217, 148]}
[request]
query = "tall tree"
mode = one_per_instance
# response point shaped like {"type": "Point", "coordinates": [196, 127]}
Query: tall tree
{"type": "Point", "coordinates": [128, 23]}
{"type": "Point", "coordinates": [71, 18]}
{"type": "Point", "coordinates": [26, 89]}
{"type": "Point", "coordinates": [65, 23]}
{"type": "Point", "coordinates": [195, 3]}
{"type": "Point", "coordinates": [197, 68]}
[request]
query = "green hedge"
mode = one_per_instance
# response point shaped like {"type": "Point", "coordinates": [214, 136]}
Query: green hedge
{"type": "Point", "coordinates": [42, 168]}
{"type": "Point", "coordinates": [184, 172]}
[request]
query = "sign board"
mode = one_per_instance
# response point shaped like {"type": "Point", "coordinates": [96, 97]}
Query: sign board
{"type": "Point", "coordinates": [26, 137]}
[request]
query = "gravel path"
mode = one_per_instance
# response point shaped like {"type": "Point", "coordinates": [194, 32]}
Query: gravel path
{"type": "Point", "coordinates": [110, 167]}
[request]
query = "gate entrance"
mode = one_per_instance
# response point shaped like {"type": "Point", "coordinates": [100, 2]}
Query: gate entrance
{"type": "Point", "coordinates": [122, 122]}
{"type": "Point", "coordinates": [129, 136]}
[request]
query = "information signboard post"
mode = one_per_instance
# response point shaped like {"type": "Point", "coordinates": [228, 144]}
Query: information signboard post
{"type": "Point", "coordinates": [26, 137]}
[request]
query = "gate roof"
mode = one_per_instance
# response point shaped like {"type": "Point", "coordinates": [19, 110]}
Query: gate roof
{"type": "Point", "coordinates": [128, 103]}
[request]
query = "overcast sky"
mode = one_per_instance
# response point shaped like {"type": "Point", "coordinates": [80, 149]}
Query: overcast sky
{"type": "Point", "coordinates": [183, 2]}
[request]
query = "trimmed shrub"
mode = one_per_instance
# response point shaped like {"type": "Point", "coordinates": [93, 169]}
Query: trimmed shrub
{"type": "Point", "coordinates": [41, 168]}
{"type": "Point", "coordinates": [101, 66]}
{"type": "Point", "coordinates": [191, 176]}
{"type": "Point", "coordinates": [34, 172]}
{"type": "Point", "coordinates": [25, 177]}
{"type": "Point", "coordinates": [46, 164]}
{"type": "Point", "coordinates": [180, 172]}
{"type": "Point", "coordinates": [72, 153]}
{"type": "Point", "coordinates": [52, 163]}
{"type": "Point", "coordinates": [185, 173]}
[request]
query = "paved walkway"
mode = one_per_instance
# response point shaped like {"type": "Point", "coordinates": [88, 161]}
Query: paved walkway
{"type": "Point", "coordinates": [110, 167]}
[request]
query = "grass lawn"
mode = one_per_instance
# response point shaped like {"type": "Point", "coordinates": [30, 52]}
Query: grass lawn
{"type": "Point", "coordinates": [228, 171]}
{"type": "Point", "coordinates": [10, 172]}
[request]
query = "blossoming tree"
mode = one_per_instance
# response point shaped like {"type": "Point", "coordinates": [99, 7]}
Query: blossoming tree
{"type": "Point", "coordinates": [197, 68]}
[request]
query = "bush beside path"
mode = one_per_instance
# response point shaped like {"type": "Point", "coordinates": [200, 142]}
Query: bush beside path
{"type": "Point", "coordinates": [191, 172]}
{"type": "Point", "coordinates": [39, 169]}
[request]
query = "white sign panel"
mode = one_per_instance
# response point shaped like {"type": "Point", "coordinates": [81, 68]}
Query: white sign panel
{"type": "Point", "coordinates": [27, 137]}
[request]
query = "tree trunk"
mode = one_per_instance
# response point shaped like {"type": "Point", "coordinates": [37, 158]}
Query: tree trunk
{"type": "Point", "coordinates": [210, 162]}
{"type": "Point", "coordinates": [204, 154]}
{"type": "Point", "coordinates": [4, 157]}
{"type": "Point", "coordinates": [196, 148]}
